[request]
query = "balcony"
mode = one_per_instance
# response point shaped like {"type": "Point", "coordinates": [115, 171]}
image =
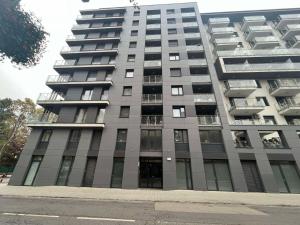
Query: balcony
{"type": "Point", "coordinates": [80, 28]}
{"type": "Point", "coordinates": [209, 120]}
{"type": "Point", "coordinates": [249, 122]}
{"type": "Point", "coordinates": [200, 79]}
{"type": "Point", "coordinates": [54, 99]}
{"type": "Point", "coordinates": [82, 39]}
{"type": "Point", "coordinates": [204, 99]}
{"type": "Point", "coordinates": [283, 20]}
{"type": "Point", "coordinates": [240, 88]}
{"type": "Point", "coordinates": [197, 62]}
{"type": "Point", "coordinates": [51, 120]}
{"type": "Point", "coordinates": [188, 14]}
{"type": "Point", "coordinates": [227, 44]}
{"type": "Point", "coordinates": [152, 63]}
{"type": "Point", "coordinates": [284, 87]}
{"type": "Point", "coordinates": [152, 49]}
{"type": "Point", "coordinates": [252, 21]}
{"type": "Point", "coordinates": [91, 18]}
{"type": "Point", "coordinates": [191, 35]}
{"type": "Point", "coordinates": [191, 48]}
{"type": "Point", "coordinates": [152, 120]}
{"type": "Point", "coordinates": [244, 107]}
{"type": "Point", "coordinates": [218, 22]}
{"type": "Point", "coordinates": [222, 32]}
{"type": "Point", "coordinates": [269, 42]}
{"type": "Point", "coordinates": [258, 31]}
{"type": "Point", "coordinates": [239, 52]}
{"type": "Point", "coordinates": [62, 66]}
{"type": "Point", "coordinates": [294, 42]}
{"type": "Point", "coordinates": [152, 99]}
{"type": "Point", "coordinates": [153, 26]}
{"type": "Point", "coordinates": [153, 37]}
{"type": "Point", "coordinates": [190, 24]}
{"type": "Point", "coordinates": [290, 107]}
{"type": "Point", "coordinates": [290, 30]}
{"type": "Point", "coordinates": [153, 17]}
{"type": "Point", "coordinates": [69, 52]}
{"type": "Point", "coordinates": [153, 79]}
{"type": "Point", "coordinates": [61, 81]}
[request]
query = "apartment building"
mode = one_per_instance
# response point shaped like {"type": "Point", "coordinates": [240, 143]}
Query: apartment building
{"type": "Point", "coordinates": [166, 97]}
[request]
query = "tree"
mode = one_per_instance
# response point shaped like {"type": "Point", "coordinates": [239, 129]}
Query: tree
{"type": "Point", "coordinates": [22, 37]}
{"type": "Point", "coordinates": [14, 115]}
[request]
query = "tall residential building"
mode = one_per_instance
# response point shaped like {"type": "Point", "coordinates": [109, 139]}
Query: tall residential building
{"type": "Point", "coordinates": [166, 97]}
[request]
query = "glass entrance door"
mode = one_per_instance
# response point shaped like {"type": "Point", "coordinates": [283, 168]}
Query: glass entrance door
{"type": "Point", "coordinates": [150, 173]}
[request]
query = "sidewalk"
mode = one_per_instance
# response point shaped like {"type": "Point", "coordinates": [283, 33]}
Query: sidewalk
{"type": "Point", "coordinates": [211, 197]}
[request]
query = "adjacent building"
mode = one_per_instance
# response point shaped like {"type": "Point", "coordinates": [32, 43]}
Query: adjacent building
{"type": "Point", "coordinates": [166, 97]}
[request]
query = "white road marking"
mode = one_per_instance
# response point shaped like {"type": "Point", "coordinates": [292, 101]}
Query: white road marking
{"type": "Point", "coordinates": [32, 215]}
{"type": "Point", "coordinates": [105, 219]}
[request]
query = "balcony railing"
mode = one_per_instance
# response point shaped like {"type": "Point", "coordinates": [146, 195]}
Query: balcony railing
{"type": "Point", "coordinates": [244, 103]}
{"type": "Point", "coordinates": [153, 37]}
{"type": "Point", "coordinates": [284, 83]}
{"type": "Point", "coordinates": [192, 35]}
{"type": "Point", "coordinates": [153, 79]}
{"type": "Point", "coordinates": [209, 120]}
{"type": "Point", "coordinates": [204, 98]}
{"type": "Point", "coordinates": [58, 79]}
{"type": "Point", "coordinates": [152, 98]}
{"type": "Point", "coordinates": [152, 63]}
{"type": "Point", "coordinates": [252, 122]}
{"type": "Point", "coordinates": [291, 103]}
{"type": "Point", "coordinates": [242, 84]}
{"type": "Point", "coordinates": [197, 62]}
{"type": "Point", "coordinates": [67, 49]}
{"type": "Point", "coordinates": [73, 62]}
{"type": "Point", "coordinates": [153, 26]}
{"type": "Point", "coordinates": [223, 20]}
{"type": "Point", "coordinates": [153, 120]}
{"type": "Point", "coordinates": [87, 26]}
{"type": "Point", "coordinates": [157, 16]}
{"type": "Point", "coordinates": [45, 119]}
{"type": "Point", "coordinates": [200, 78]}
{"type": "Point", "coordinates": [190, 24]}
{"type": "Point", "coordinates": [50, 97]}
{"type": "Point", "coordinates": [188, 14]}
{"type": "Point", "coordinates": [259, 52]}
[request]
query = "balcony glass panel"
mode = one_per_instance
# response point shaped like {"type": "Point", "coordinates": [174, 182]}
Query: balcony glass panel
{"type": "Point", "coordinates": [204, 98]}
{"type": "Point", "coordinates": [153, 120]}
{"type": "Point", "coordinates": [152, 98]}
{"type": "Point", "coordinates": [241, 84]}
{"type": "Point", "coordinates": [209, 120]}
{"type": "Point", "coordinates": [153, 79]}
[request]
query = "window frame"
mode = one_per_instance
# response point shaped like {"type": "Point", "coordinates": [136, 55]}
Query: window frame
{"type": "Point", "coordinates": [124, 111]}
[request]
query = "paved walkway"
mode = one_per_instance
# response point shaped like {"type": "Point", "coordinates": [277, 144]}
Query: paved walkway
{"type": "Point", "coordinates": [263, 199]}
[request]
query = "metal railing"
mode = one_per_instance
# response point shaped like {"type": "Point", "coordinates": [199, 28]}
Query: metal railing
{"type": "Point", "coordinates": [290, 103]}
{"type": "Point", "coordinates": [252, 122]}
{"type": "Point", "coordinates": [237, 102]}
{"type": "Point", "coordinates": [284, 66]}
{"type": "Point", "coordinates": [284, 83]}
{"type": "Point", "coordinates": [153, 79]}
{"type": "Point", "coordinates": [45, 118]}
{"type": "Point", "coordinates": [153, 120]}
{"type": "Point", "coordinates": [209, 120]}
{"type": "Point", "coordinates": [218, 20]}
{"type": "Point", "coordinates": [58, 78]}
{"type": "Point", "coordinates": [204, 98]}
{"type": "Point", "coordinates": [51, 97]}
{"type": "Point", "coordinates": [152, 98]}
{"type": "Point", "coordinates": [71, 62]}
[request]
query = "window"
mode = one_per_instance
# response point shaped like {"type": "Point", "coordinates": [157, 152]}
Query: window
{"type": "Point", "coordinates": [64, 171]}
{"type": "Point", "coordinates": [175, 72]}
{"type": "Point", "coordinates": [127, 91]}
{"type": "Point", "coordinates": [179, 111]}
{"type": "Point", "coordinates": [129, 73]}
{"type": "Point", "coordinates": [134, 33]}
{"type": "Point", "coordinates": [174, 56]}
{"type": "Point", "coordinates": [87, 94]}
{"type": "Point", "coordinates": [263, 101]}
{"type": "Point", "coordinates": [173, 43]}
{"type": "Point", "coordinates": [121, 140]}
{"type": "Point", "coordinates": [171, 21]}
{"type": "Point", "coordinates": [96, 60]}
{"type": "Point", "coordinates": [272, 139]}
{"type": "Point", "coordinates": [136, 13]}
{"type": "Point", "coordinates": [131, 58]}
{"type": "Point", "coordinates": [181, 140]}
{"type": "Point", "coordinates": [92, 76]}
{"type": "Point", "coordinates": [286, 176]}
{"type": "Point", "coordinates": [89, 172]}
{"type": "Point", "coordinates": [240, 139]}
{"type": "Point", "coordinates": [33, 169]}
{"type": "Point", "coordinates": [172, 31]}
{"type": "Point", "coordinates": [151, 140]}
{"type": "Point", "coordinates": [132, 44]}
{"type": "Point", "coordinates": [117, 173]}
{"type": "Point", "coordinates": [211, 137]}
{"type": "Point", "coordinates": [298, 133]}
{"type": "Point", "coordinates": [81, 115]}
{"type": "Point", "coordinates": [73, 141]}
{"type": "Point", "coordinates": [170, 11]}
{"type": "Point", "coordinates": [183, 174]}
{"type": "Point", "coordinates": [177, 90]}
{"type": "Point", "coordinates": [135, 23]}
{"type": "Point", "coordinates": [269, 120]}
{"type": "Point", "coordinates": [96, 140]}
{"type": "Point", "coordinates": [44, 139]}
{"type": "Point", "coordinates": [100, 116]}
{"type": "Point", "coordinates": [124, 111]}
{"type": "Point", "coordinates": [217, 175]}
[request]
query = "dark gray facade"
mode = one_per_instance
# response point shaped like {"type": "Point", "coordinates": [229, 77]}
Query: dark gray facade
{"type": "Point", "coordinates": [163, 97]}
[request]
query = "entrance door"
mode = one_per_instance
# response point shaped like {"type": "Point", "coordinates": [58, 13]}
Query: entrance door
{"type": "Point", "coordinates": [150, 173]}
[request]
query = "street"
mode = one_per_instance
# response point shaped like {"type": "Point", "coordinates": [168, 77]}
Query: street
{"type": "Point", "coordinates": [54, 211]}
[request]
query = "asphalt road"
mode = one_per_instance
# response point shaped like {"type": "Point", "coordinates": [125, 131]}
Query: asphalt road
{"type": "Point", "coordinates": [46, 211]}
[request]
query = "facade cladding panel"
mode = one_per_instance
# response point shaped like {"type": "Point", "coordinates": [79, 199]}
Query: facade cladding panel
{"type": "Point", "coordinates": [166, 97]}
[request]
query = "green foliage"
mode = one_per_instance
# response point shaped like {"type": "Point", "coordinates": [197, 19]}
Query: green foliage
{"type": "Point", "coordinates": [13, 118]}
{"type": "Point", "coordinates": [22, 37]}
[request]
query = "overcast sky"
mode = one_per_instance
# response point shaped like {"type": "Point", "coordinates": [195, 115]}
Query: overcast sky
{"type": "Point", "coordinates": [58, 16]}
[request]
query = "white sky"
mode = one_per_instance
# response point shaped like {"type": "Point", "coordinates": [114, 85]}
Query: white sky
{"type": "Point", "coordinates": [58, 16]}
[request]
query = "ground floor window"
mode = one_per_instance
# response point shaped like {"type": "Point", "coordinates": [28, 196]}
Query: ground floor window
{"type": "Point", "coordinates": [117, 173]}
{"type": "Point", "coordinates": [183, 174]}
{"type": "Point", "coordinates": [217, 175]}
{"type": "Point", "coordinates": [286, 176]}
{"type": "Point", "coordinates": [89, 172]}
{"type": "Point", "coordinates": [33, 169]}
{"type": "Point", "coordinates": [64, 172]}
